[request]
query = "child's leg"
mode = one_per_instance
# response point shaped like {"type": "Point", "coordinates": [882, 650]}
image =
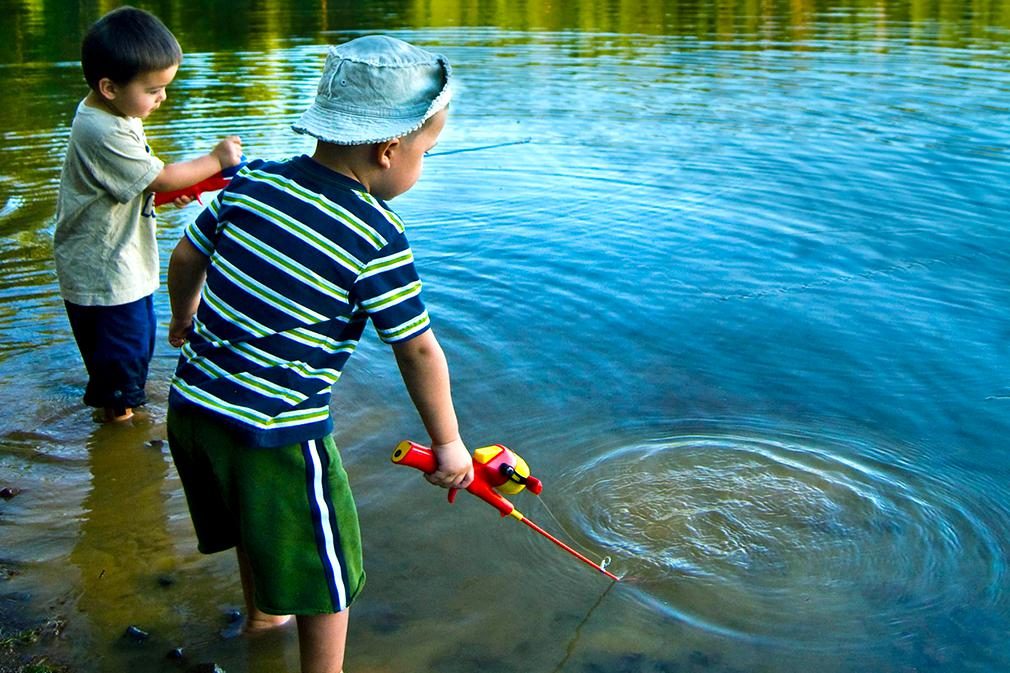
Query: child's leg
{"type": "Point", "coordinates": [117, 344]}
{"type": "Point", "coordinates": [321, 640]}
{"type": "Point", "coordinates": [301, 540]}
{"type": "Point", "coordinates": [256, 619]}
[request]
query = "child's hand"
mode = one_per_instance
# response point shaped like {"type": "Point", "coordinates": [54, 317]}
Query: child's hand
{"type": "Point", "coordinates": [228, 152]}
{"type": "Point", "coordinates": [182, 201]}
{"type": "Point", "coordinates": [455, 465]}
{"type": "Point", "coordinates": [178, 331]}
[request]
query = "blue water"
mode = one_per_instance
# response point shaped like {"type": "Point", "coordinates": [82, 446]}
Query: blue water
{"type": "Point", "coordinates": [739, 300]}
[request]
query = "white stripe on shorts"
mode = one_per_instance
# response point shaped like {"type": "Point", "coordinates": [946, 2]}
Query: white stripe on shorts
{"type": "Point", "coordinates": [318, 494]}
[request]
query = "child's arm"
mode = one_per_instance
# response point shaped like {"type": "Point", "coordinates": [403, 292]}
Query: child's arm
{"type": "Point", "coordinates": [426, 375]}
{"type": "Point", "coordinates": [187, 270]}
{"type": "Point", "coordinates": [181, 174]}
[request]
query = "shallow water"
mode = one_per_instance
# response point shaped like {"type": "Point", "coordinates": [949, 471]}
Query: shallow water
{"type": "Point", "coordinates": [737, 294]}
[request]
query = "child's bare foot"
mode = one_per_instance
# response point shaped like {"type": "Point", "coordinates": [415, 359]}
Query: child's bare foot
{"type": "Point", "coordinates": [240, 624]}
{"type": "Point", "coordinates": [118, 415]}
{"type": "Point", "coordinates": [110, 415]}
{"type": "Point", "coordinates": [264, 622]}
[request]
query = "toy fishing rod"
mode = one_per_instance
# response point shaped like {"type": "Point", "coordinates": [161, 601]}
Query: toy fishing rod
{"type": "Point", "coordinates": [219, 180]}
{"type": "Point", "coordinates": [495, 468]}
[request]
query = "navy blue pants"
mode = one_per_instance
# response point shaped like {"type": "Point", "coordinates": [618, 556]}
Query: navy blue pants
{"type": "Point", "coordinates": [117, 344]}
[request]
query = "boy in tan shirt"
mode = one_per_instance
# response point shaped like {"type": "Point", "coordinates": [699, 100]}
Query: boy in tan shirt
{"type": "Point", "coordinates": [105, 247]}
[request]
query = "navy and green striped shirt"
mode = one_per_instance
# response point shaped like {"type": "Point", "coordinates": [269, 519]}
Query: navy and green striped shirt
{"type": "Point", "coordinates": [300, 258]}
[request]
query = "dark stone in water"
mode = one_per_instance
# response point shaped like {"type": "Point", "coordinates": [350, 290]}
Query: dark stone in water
{"type": "Point", "coordinates": [8, 492]}
{"type": "Point", "coordinates": [234, 621]}
{"type": "Point", "coordinates": [632, 662]}
{"type": "Point", "coordinates": [166, 581]}
{"type": "Point", "coordinates": [175, 654]}
{"type": "Point", "coordinates": [156, 444]}
{"type": "Point", "coordinates": [136, 634]}
{"type": "Point", "coordinates": [207, 667]}
{"type": "Point", "coordinates": [387, 621]}
{"type": "Point", "coordinates": [700, 659]}
{"type": "Point", "coordinates": [636, 662]}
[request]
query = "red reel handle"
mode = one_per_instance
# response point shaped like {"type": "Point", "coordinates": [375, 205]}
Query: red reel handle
{"type": "Point", "coordinates": [414, 455]}
{"type": "Point", "coordinates": [534, 485]}
{"type": "Point", "coordinates": [420, 457]}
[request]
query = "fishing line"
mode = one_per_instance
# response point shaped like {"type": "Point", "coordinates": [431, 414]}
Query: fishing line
{"type": "Point", "coordinates": [482, 147]}
{"type": "Point", "coordinates": [578, 629]}
{"type": "Point", "coordinates": [604, 562]}
{"type": "Point", "coordinates": [895, 270]}
{"type": "Point", "coordinates": [577, 635]}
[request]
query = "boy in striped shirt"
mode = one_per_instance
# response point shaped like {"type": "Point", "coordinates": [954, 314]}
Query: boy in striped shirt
{"type": "Point", "coordinates": [271, 288]}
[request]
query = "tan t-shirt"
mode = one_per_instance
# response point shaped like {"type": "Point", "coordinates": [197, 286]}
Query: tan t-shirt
{"type": "Point", "coordinates": [105, 246]}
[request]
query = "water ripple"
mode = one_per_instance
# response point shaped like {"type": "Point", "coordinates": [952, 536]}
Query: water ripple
{"type": "Point", "coordinates": [788, 539]}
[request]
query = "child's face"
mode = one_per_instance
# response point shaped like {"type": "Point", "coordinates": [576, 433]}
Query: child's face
{"type": "Point", "coordinates": [406, 164]}
{"type": "Point", "coordinates": [142, 95]}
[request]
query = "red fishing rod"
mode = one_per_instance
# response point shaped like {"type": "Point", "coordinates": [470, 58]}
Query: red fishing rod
{"type": "Point", "coordinates": [219, 180]}
{"type": "Point", "coordinates": [495, 468]}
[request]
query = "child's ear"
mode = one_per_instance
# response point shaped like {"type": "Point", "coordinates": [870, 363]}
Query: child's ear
{"type": "Point", "coordinates": [384, 152]}
{"type": "Point", "coordinates": [107, 88]}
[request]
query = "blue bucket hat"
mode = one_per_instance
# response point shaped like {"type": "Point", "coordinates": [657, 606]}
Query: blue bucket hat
{"type": "Point", "coordinates": [376, 88]}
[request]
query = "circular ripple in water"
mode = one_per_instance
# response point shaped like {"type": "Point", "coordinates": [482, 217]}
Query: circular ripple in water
{"type": "Point", "coordinates": [769, 540]}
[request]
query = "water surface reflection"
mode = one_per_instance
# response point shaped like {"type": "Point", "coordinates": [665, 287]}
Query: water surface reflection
{"type": "Point", "coordinates": [739, 301]}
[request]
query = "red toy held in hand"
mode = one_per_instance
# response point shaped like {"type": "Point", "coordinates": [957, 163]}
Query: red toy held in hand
{"type": "Point", "coordinates": [495, 468]}
{"type": "Point", "coordinates": [212, 184]}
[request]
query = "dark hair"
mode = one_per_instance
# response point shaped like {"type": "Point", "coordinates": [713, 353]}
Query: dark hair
{"type": "Point", "coordinates": [125, 43]}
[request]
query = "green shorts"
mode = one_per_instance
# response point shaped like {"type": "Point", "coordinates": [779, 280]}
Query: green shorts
{"type": "Point", "coordinates": [290, 508]}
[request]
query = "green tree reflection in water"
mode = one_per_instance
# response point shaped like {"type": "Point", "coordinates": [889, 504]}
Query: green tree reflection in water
{"type": "Point", "coordinates": [46, 31]}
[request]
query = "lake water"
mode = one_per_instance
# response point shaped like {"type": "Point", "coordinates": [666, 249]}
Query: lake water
{"type": "Point", "coordinates": [736, 290]}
